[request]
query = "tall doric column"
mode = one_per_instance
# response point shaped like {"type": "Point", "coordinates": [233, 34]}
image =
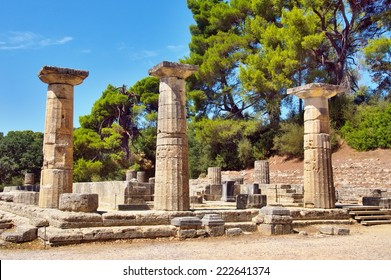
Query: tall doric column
{"type": "Point", "coordinates": [57, 170]}
{"type": "Point", "coordinates": [172, 163]}
{"type": "Point", "coordinates": [319, 191]}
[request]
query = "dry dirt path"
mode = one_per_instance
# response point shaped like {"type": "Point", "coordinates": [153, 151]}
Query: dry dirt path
{"type": "Point", "coordinates": [363, 243]}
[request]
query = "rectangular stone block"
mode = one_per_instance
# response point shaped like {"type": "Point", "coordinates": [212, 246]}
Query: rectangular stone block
{"type": "Point", "coordinates": [241, 201]}
{"type": "Point", "coordinates": [228, 191]}
{"type": "Point", "coordinates": [25, 197]}
{"type": "Point", "coordinates": [371, 201]}
{"type": "Point", "coordinates": [256, 201]}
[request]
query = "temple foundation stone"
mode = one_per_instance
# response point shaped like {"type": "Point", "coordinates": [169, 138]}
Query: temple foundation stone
{"type": "Point", "coordinates": [172, 163]}
{"type": "Point", "coordinates": [319, 191]}
{"type": "Point", "coordinates": [57, 170]}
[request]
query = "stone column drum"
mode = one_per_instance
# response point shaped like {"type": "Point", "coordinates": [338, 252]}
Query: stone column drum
{"type": "Point", "coordinates": [261, 172]}
{"type": "Point", "coordinates": [172, 163]}
{"type": "Point", "coordinates": [319, 191]}
{"type": "Point", "coordinates": [57, 170]}
{"type": "Point", "coordinates": [214, 175]}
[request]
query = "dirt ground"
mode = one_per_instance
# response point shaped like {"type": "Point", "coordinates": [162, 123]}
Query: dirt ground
{"type": "Point", "coordinates": [363, 243]}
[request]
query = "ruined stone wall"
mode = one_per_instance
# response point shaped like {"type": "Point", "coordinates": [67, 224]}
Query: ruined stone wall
{"type": "Point", "coordinates": [111, 193]}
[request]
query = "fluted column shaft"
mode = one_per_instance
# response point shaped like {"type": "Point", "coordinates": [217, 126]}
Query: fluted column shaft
{"type": "Point", "coordinates": [319, 191]}
{"type": "Point", "coordinates": [172, 163]}
{"type": "Point", "coordinates": [57, 170]}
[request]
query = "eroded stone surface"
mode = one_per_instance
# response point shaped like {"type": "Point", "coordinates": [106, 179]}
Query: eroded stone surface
{"type": "Point", "coordinates": [78, 202]}
{"type": "Point", "coordinates": [319, 191]}
{"type": "Point", "coordinates": [172, 164]}
{"type": "Point", "coordinates": [57, 170]}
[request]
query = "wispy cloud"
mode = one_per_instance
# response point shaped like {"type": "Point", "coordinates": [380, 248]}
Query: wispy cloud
{"type": "Point", "coordinates": [29, 40]}
{"type": "Point", "coordinates": [143, 54]}
{"type": "Point", "coordinates": [176, 48]}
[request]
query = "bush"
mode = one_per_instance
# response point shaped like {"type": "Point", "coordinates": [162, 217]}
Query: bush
{"type": "Point", "coordinates": [370, 128]}
{"type": "Point", "coordinates": [290, 141]}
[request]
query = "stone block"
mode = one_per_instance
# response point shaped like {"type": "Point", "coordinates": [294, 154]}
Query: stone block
{"type": "Point", "coordinates": [241, 201]}
{"type": "Point", "coordinates": [132, 207]}
{"type": "Point", "coordinates": [332, 230]}
{"type": "Point", "coordinates": [256, 201]}
{"type": "Point", "coordinates": [215, 230]}
{"type": "Point", "coordinates": [77, 202]}
{"type": "Point", "coordinates": [277, 219]}
{"type": "Point", "coordinates": [26, 197]}
{"type": "Point", "coordinates": [186, 222]}
{"type": "Point", "coordinates": [234, 231]}
{"type": "Point", "coordinates": [186, 233]}
{"type": "Point", "coordinates": [22, 234]}
{"type": "Point", "coordinates": [212, 220]}
{"type": "Point", "coordinates": [371, 201]}
{"type": "Point", "coordinates": [266, 229]}
{"type": "Point", "coordinates": [274, 209]}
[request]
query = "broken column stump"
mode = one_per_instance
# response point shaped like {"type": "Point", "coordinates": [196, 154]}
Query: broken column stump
{"type": "Point", "coordinates": [172, 163]}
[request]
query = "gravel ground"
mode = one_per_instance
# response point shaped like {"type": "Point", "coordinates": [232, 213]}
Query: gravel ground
{"type": "Point", "coordinates": [363, 243]}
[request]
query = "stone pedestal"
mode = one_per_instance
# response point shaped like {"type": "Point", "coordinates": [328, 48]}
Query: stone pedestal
{"type": "Point", "coordinates": [319, 191]}
{"type": "Point", "coordinates": [214, 175]}
{"type": "Point", "coordinates": [141, 176]}
{"type": "Point", "coordinates": [261, 172]}
{"type": "Point", "coordinates": [57, 170]}
{"type": "Point", "coordinates": [214, 224]}
{"type": "Point", "coordinates": [172, 164]}
{"type": "Point", "coordinates": [274, 219]}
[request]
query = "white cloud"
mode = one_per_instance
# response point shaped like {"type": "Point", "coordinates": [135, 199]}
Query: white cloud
{"type": "Point", "coordinates": [29, 40]}
{"type": "Point", "coordinates": [176, 48]}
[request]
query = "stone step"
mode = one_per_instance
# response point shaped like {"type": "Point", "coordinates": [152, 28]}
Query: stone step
{"type": "Point", "coordinates": [373, 217]}
{"type": "Point", "coordinates": [378, 222]}
{"type": "Point", "coordinates": [304, 223]}
{"type": "Point", "coordinates": [245, 226]}
{"type": "Point", "coordinates": [362, 208]}
{"type": "Point", "coordinates": [375, 212]}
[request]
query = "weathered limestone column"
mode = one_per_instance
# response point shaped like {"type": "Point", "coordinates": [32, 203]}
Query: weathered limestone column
{"type": "Point", "coordinates": [29, 179]}
{"type": "Point", "coordinates": [319, 191]}
{"type": "Point", "coordinates": [130, 175]}
{"type": "Point", "coordinates": [172, 163]}
{"type": "Point", "coordinates": [57, 171]}
{"type": "Point", "coordinates": [261, 172]}
{"type": "Point", "coordinates": [214, 175]}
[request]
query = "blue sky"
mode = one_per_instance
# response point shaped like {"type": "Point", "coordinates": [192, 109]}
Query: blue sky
{"type": "Point", "coordinates": [116, 41]}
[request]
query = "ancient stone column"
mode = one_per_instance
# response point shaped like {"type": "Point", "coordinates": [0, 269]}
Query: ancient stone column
{"type": "Point", "coordinates": [172, 164]}
{"type": "Point", "coordinates": [319, 191]}
{"type": "Point", "coordinates": [29, 179]}
{"type": "Point", "coordinates": [261, 172]}
{"type": "Point", "coordinates": [141, 176]}
{"type": "Point", "coordinates": [57, 171]}
{"type": "Point", "coordinates": [214, 175]}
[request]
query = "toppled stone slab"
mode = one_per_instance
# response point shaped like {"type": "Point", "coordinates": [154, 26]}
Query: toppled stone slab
{"type": "Point", "coordinates": [57, 237]}
{"type": "Point", "coordinates": [20, 235]}
{"type": "Point", "coordinates": [332, 230]}
{"type": "Point", "coordinates": [234, 232]}
{"type": "Point", "coordinates": [76, 202]}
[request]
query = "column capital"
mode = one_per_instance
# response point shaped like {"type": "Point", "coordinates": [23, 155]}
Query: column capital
{"type": "Point", "coordinates": [172, 69]}
{"type": "Point", "coordinates": [57, 75]}
{"type": "Point", "coordinates": [316, 90]}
